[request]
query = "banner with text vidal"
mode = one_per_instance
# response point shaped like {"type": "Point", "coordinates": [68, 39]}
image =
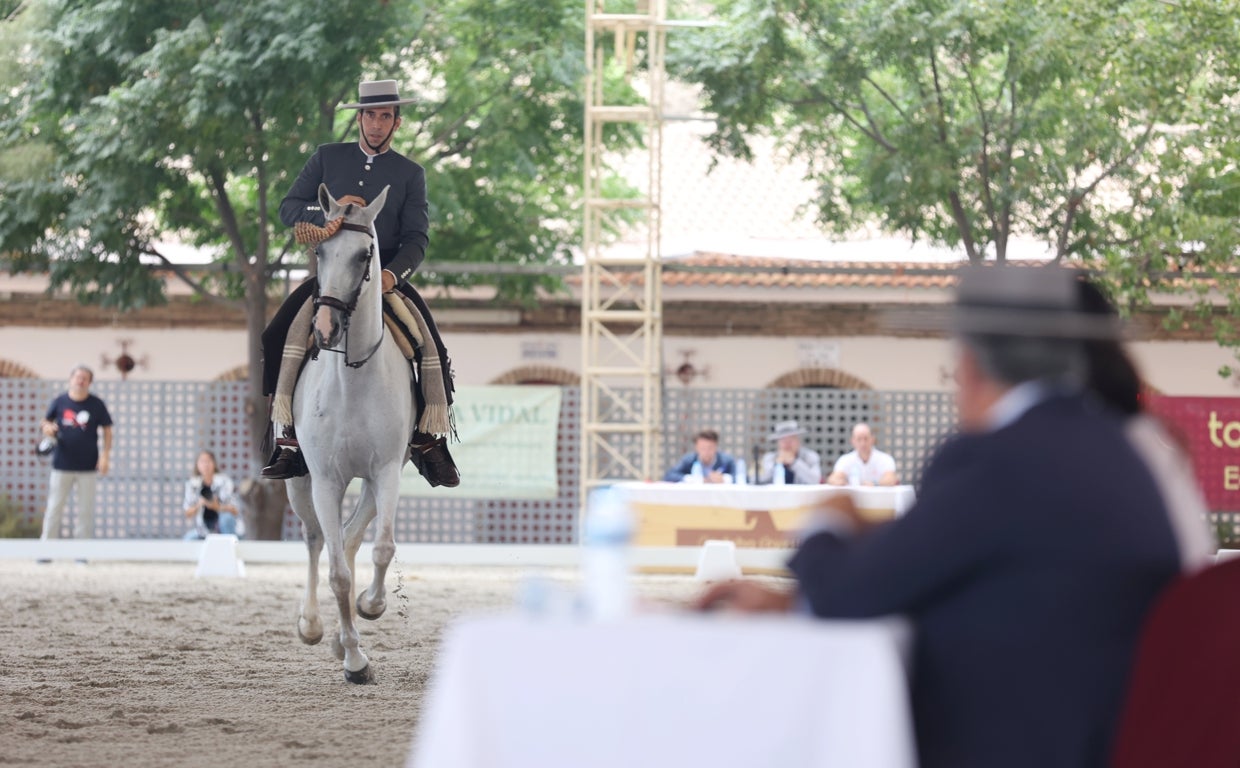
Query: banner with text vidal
{"type": "Point", "coordinates": [507, 448]}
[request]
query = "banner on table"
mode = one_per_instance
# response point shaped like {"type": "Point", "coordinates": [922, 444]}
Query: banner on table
{"type": "Point", "coordinates": [507, 448]}
{"type": "Point", "coordinates": [1210, 429]}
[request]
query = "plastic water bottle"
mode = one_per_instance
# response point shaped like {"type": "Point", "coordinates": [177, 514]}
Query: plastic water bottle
{"type": "Point", "coordinates": [605, 559]}
{"type": "Point", "coordinates": [741, 477]}
{"type": "Point", "coordinates": [696, 474]}
{"type": "Point", "coordinates": [777, 476]}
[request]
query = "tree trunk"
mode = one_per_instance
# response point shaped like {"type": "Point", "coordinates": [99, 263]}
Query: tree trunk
{"type": "Point", "coordinates": [266, 499]}
{"type": "Point", "coordinates": [265, 502]}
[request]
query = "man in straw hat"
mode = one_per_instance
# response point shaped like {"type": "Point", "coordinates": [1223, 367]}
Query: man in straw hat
{"type": "Point", "coordinates": [790, 462]}
{"type": "Point", "coordinates": [356, 172]}
{"type": "Point", "coordinates": [1036, 546]}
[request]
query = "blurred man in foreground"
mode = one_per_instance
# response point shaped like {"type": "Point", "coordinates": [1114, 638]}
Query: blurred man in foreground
{"type": "Point", "coordinates": [1037, 544]}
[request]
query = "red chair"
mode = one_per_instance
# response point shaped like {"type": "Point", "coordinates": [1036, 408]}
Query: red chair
{"type": "Point", "coordinates": [1183, 704]}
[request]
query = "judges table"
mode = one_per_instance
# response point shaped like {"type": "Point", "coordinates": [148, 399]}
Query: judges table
{"type": "Point", "coordinates": [668, 690]}
{"type": "Point", "coordinates": [686, 514]}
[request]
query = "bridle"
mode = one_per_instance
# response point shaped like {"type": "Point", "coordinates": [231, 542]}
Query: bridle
{"type": "Point", "coordinates": [346, 308]}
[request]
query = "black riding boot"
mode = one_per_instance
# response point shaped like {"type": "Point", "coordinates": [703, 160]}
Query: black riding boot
{"type": "Point", "coordinates": [430, 455]}
{"type": "Point", "coordinates": [286, 461]}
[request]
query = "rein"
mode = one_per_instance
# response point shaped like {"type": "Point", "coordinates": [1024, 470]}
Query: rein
{"type": "Point", "coordinates": [346, 309]}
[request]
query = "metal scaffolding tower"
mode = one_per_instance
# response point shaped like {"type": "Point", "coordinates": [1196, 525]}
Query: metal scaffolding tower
{"type": "Point", "coordinates": [621, 304]}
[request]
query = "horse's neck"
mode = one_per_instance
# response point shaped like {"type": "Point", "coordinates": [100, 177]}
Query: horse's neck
{"type": "Point", "coordinates": [366, 325]}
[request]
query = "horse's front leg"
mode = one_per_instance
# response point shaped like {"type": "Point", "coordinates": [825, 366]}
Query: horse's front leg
{"type": "Point", "coordinates": [354, 532]}
{"type": "Point", "coordinates": [328, 498]}
{"type": "Point", "coordinates": [373, 602]}
{"type": "Point", "coordinates": [309, 622]}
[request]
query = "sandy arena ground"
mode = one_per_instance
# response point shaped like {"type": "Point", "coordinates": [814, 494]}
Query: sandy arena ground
{"type": "Point", "coordinates": [111, 664]}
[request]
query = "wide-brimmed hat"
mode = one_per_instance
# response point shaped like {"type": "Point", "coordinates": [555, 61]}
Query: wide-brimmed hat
{"type": "Point", "coordinates": [1003, 300]}
{"type": "Point", "coordinates": [786, 429]}
{"type": "Point", "coordinates": [377, 93]}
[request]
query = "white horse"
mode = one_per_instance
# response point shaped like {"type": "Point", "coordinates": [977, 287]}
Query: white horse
{"type": "Point", "coordinates": [354, 416]}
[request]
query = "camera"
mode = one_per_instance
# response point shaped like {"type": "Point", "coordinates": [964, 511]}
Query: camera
{"type": "Point", "coordinates": [206, 493]}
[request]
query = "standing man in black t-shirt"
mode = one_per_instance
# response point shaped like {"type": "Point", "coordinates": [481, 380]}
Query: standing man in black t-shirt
{"type": "Point", "coordinates": [75, 419]}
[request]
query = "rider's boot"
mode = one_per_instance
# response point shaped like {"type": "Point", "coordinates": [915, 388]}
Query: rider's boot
{"type": "Point", "coordinates": [286, 461]}
{"type": "Point", "coordinates": [430, 455]}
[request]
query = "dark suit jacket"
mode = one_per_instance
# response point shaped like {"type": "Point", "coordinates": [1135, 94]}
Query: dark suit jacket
{"type": "Point", "coordinates": [1026, 565]}
{"type": "Point", "coordinates": [402, 224]}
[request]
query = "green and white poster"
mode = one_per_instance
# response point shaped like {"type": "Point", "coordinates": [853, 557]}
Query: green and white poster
{"type": "Point", "coordinates": [507, 447]}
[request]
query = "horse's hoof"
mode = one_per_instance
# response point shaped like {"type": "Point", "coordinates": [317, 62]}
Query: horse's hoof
{"type": "Point", "coordinates": [361, 677]}
{"type": "Point", "coordinates": [309, 640]}
{"type": "Point", "coordinates": [367, 615]}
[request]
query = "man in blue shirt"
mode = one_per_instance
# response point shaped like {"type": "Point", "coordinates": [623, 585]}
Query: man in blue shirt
{"type": "Point", "coordinates": [715, 466]}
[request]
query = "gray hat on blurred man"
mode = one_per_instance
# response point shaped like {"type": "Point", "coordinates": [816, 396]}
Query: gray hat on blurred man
{"type": "Point", "coordinates": [1042, 302]}
{"type": "Point", "coordinates": [786, 429]}
{"type": "Point", "coordinates": [1003, 300]}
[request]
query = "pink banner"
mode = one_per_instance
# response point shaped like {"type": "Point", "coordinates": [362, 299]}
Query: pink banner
{"type": "Point", "coordinates": [1210, 428]}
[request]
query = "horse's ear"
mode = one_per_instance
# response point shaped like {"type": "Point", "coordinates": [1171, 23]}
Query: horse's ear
{"type": "Point", "coordinates": [326, 201]}
{"type": "Point", "coordinates": [376, 205]}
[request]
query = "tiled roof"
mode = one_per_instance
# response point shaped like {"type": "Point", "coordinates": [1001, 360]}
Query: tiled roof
{"type": "Point", "coordinates": [724, 270]}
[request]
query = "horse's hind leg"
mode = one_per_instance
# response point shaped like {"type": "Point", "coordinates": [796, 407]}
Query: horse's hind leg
{"type": "Point", "coordinates": [309, 621]}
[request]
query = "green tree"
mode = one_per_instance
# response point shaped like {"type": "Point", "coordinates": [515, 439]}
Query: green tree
{"type": "Point", "coordinates": [131, 122]}
{"type": "Point", "coordinates": [144, 121]}
{"type": "Point", "coordinates": [1099, 128]}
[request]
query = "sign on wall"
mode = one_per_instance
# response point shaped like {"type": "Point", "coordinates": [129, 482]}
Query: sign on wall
{"type": "Point", "coordinates": [507, 447]}
{"type": "Point", "coordinates": [1210, 428]}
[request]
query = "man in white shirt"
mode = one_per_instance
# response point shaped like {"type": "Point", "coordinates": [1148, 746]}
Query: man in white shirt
{"type": "Point", "coordinates": [865, 464]}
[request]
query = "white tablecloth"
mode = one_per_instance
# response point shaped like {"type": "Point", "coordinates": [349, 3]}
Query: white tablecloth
{"type": "Point", "coordinates": [668, 690]}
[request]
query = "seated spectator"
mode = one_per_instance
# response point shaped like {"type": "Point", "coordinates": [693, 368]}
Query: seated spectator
{"type": "Point", "coordinates": [716, 466]}
{"type": "Point", "coordinates": [794, 463]}
{"type": "Point", "coordinates": [210, 500]}
{"type": "Point", "coordinates": [864, 464]}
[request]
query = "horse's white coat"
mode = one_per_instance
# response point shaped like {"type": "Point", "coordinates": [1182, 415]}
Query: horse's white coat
{"type": "Point", "coordinates": [351, 423]}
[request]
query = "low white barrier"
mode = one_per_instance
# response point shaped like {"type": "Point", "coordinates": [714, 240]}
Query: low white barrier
{"type": "Point", "coordinates": [680, 559]}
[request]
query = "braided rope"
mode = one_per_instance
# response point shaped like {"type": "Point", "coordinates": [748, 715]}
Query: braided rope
{"type": "Point", "coordinates": [306, 233]}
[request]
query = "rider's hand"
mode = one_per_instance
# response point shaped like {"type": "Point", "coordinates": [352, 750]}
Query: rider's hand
{"type": "Point", "coordinates": [345, 200]}
{"type": "Point", "coordinates": [389, 281]}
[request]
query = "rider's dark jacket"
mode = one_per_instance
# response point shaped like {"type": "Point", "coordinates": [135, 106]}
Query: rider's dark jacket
{"type": "Point", "coordinates": [346, 170]}
{"type": "Point", "coordinates": [401, 225]}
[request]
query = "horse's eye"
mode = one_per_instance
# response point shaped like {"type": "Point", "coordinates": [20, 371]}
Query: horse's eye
{"type": "Point", "coordinates": [363, 255]}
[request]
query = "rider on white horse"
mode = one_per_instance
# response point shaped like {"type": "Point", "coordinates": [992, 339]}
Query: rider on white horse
{"type": "Point", "coordinates": [357, 172]}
